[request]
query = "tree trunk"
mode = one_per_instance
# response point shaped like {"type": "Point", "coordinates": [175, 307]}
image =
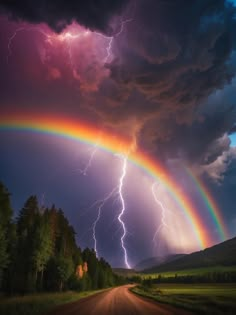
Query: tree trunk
{"type": "Point", "coordinates": [41, 280]}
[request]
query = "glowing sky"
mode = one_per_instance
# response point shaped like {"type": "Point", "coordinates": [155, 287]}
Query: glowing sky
{"type": "Point", "coordinates": [159, 74]}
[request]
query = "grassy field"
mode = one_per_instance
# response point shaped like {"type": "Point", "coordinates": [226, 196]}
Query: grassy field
{"type": "Point", "coordinates": [207, 299]}
{"type": "Point", "coordinates": [189, 272]}
{"type": "Point", "coordinates": [129, 273]}
{"type": "Point", "coordinates": [38, 304]}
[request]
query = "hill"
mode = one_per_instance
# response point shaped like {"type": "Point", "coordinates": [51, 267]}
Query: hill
{"type": "Point", "coordinates": [124, 272]}
{"type": "Point", "coordinates": [223, 254]}
{"type": "Point", "coordinates": [156, 261]}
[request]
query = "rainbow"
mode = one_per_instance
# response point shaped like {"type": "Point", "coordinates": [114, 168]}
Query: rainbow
{"type": "Point", "coordinates": [83, 132]}
{"type": "Point", "coordinates": [212, 207]}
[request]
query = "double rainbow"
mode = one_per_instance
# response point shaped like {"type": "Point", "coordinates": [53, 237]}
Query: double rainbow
{"type": "Point", "coordinates": [211, 205]}
{"type": "Point", "coordinates": [83, 132]}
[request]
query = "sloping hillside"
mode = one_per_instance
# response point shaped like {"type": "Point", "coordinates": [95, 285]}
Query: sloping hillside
{"type": "Point", "coordinates": [223, 254]}
{"type": "Point", "coordinates": [156, 261]}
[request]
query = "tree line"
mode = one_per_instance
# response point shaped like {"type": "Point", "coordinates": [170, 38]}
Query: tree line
{"type": "Point", "coordinates": [208, 277]}
{"type": "Point", "coordinates": [38, 252]}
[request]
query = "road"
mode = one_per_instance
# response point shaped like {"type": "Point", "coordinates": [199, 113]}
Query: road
{"type": "Point", "coordinates": [117, 301]}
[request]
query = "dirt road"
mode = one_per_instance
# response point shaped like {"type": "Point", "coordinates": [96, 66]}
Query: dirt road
{"type": "Point", "coordinates": [117, 301]}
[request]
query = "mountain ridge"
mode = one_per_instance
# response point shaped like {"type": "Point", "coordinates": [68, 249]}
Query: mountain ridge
{"type": "Point", "coordinates": [156, 261]}
{"type": "Point", "coordinates": [220, 254]}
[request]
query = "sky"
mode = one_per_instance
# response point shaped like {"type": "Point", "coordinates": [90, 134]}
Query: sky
{"type": "Point", "coordinates": [233, 140]}
{"type": "Point", "coordinates": [160, 74]}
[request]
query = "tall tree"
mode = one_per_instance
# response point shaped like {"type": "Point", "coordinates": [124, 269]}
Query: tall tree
{"type": "Point", "coordinates": [27, 227]}
{"type": "Point", "coordinates": [5, 222]}
{"type": "Point", "coordinates": [42, 243]}
{"type": "Point", "coordinates": [42, 246]}
{"type": "Point", "coordinates": [65, 269]}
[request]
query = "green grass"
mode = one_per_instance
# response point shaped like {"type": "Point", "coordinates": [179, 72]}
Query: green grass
{"type": "Point", "coordinates": [189, 272]}
{"type": "Point", "coordinates": [38, 304]}
{"type": "Point", "coordinates": [207, 299]}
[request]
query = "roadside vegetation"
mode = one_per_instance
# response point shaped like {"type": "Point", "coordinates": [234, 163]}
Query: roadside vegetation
{"type": "Point", "coordinates": [206, 299]}
{"type": "Point", "coordinates": [216, 274]}
{"type": "Point", "coordinates": [39, 256]}
{"type": "Point", "coordinates": [39, 304]}
{"type": "Point", "coordinates": [190, 272]}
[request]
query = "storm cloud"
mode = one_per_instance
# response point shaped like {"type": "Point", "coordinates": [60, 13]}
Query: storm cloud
{"type": "Point", "coordinates": [172, 58]}
{"type": "Point", "coordinates": [94, 15]}
{"type": "Point", "coordinates": [176, 54]}
{"type": "Point", "coordinates": [168, 64]}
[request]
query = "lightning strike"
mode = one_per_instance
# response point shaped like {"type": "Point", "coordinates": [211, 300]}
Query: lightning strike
{"type": "Point", "coordinates": [26, 29]}
{"type": "Point", "coordinates": [11, 40]}
{"type": "Point", "coordinates": [109, 47]}
{"type": "Point", "coordinates": [111, 39]}
{"type": "Point", "coordinates": [70, 36]}
{"type": "Point", "coordinates": [122, 211]}
{"type": "Point", "coordinates": [90, 160]}
{"type": "Point", "coordinates": [163, 224]}
{"type": "Point", "coordinates": [117, 194]}
{"type": "Point", "coordinates": [100, 207]}
{"type": "Point", "coordinates": [92, 155]}
{"type": "Point", "coordinates": [66, 36]}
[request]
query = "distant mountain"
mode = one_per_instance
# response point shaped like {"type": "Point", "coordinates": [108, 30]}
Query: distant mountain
{"type": "Point", "coordinates": [223, 254]}
{"type": "Point", "coordinates": [156, 261]}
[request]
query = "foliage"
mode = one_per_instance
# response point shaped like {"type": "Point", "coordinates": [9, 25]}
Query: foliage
{"type": "Point", "coordinates": [3, 251]}
{"type": "Point", "coordinates": [5, 223]}
{"type": "Point", "coordinates": [38, 252]}
{"type": "Point", "coordinates": [40, 303]}
{"type": "Point", "coordinates": [65, 269]}
{"type": "Point", "coordinates": [203, 299]}
{"type": "Point", "coordinates": [217, 274]}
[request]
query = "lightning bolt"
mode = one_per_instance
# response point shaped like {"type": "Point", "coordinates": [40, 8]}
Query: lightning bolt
{"type": "Point", "coordinates": [163, 224]}
{"type": "Point", "coordinates": [111, 38]}
{"type": "Point", "coordinates": [11, 40]}
{"type": "Point", "coordinates": [100, 207]}
{"type": "Point", "coordinates": [122, 211]}
{"type": "Point", "coordinates": [21, 29]}
{"type": "Point", "coordinates": [90, 160]}
{"type": "Point", "coordinates": [68, 37]}
{"type": "Point", "coordinates": [109, 47]}
{"type": "Point", "coordinates": [116, 193]}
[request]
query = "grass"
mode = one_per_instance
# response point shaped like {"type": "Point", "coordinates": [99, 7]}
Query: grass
{"type": "Point", "coordinates": [202, 299]}
{"type": "Point", "coordinates": [38, 304]}
{"type": "Point", "coordinates": [189, 272]}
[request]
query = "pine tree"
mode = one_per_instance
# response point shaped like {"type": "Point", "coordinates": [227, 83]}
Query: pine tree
{"type": "Point", "coordinates": [27, 227]}
{"type": "Point", "coordinates": [3, 252]}
{"type": "Point", "coordinates": [5, 222]}
{"type": "Point", "coordinates": [42, 246]}
{"type": "Point", "coordinates": [65, 268]}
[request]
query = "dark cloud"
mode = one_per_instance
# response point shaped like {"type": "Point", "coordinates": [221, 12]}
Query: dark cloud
{"type": "Point", "coordinates": [232, 130]}
{"type": "Point", "coordinates": [193, 143]}
{"type": "Point", "coordinates": [204, 145]}
{"type": "Point", "coordinates": [93, 14]}
{"type": "Point", "coordinates": [172, 57]}
{"type": "Point", "coordinates": [175, 53]}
